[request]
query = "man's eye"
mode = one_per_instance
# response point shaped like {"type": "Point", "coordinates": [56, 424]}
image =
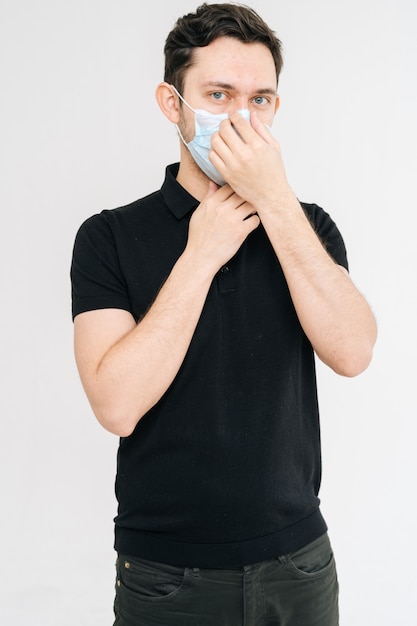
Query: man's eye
{"type": "Point", "coordinates": [260, 100]}
{"type": "Point", "coordinates": [217, 95]}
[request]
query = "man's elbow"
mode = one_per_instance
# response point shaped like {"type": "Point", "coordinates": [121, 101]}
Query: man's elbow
{"type": "Point", "coordinates": [117, 422]}
{"type": "Point", "coordinates": [353, 362]}
{"type": "Point", "coordinates": [116, 428]}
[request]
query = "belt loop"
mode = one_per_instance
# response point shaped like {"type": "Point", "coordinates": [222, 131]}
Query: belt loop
{"type": "Point", "coordinates": [283, 560]}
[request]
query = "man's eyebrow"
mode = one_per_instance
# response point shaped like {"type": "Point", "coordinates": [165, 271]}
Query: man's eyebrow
{"type": "Point", "coordinates": [267, 91]}
{"type": "Point", "coordinates": [220, 85]}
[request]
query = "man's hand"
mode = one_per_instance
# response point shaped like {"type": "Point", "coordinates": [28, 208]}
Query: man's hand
{"type": "Point", "coordinates": [219, 226]}
{"type": "Point", "coordinates": [249, 158]}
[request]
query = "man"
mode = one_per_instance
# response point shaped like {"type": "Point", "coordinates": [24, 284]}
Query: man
{"type": "Point", "coordinates": [198, 310]}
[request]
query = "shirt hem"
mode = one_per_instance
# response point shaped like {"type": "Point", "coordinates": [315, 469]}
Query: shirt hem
{"type": "Point", "coordinates": [220, 555]}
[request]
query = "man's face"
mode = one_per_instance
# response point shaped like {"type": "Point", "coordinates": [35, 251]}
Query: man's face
{"type": "Point", "coordinates": [228, 75]}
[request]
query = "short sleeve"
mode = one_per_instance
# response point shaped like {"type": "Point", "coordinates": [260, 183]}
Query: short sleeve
{"type": "Point", "coordinates": [328, 233]}
{"type": "Point", "coordinates": [97, 280]}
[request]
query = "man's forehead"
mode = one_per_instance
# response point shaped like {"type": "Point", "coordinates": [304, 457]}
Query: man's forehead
{"type": "Point", "coordinates": [229, 63]}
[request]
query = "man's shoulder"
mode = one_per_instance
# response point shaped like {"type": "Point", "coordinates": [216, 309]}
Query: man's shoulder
{"type": "Point", "coordinates": [313, 210]}
{"type": "Point", "coordinates": [124, 215]}
{"type": "Point", "coordinates": [145, 210]}
{"type": "Point", "coordinates": [328, 232]}
{"type": "Point", "coordinates": [320, 218]}
{"type": "Point", "coordinates": [134, 209]}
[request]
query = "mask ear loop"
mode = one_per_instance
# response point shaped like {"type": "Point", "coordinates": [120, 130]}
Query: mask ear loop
{"type": "Point", "coordinates": [182, 99]}
{"type": "Point", "coordinates": [181, 136]}
{"type": "Point", "coordinates": [190, 107]}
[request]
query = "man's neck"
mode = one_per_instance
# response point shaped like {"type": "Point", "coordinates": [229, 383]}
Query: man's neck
{"type": "Point", "coordinates": [192, 178]}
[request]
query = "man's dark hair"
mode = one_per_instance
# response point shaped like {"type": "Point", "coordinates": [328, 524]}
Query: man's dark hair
{"type": "Point", "coordinates": [210, 21]}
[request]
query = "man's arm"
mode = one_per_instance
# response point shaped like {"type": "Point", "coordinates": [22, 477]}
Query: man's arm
{"type": "Point", "coordinates": [334, 315]}
{"type": "Point", "coordinates": [126, 367]}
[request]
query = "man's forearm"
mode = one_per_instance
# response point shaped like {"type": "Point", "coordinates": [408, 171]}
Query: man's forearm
{"type": "Point", "coordinates": [334, 315]}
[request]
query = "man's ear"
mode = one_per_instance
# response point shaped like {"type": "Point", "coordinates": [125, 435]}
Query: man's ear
{"type": "Point", "coordinates": [277, 103]}
{"type": "Point", "coordinates": [168, 102]}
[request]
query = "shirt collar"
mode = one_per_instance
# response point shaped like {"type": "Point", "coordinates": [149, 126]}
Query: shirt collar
{"type": "Point", "coordinates": [178, 200]}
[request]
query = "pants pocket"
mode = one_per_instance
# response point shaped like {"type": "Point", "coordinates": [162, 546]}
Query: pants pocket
{"type": "Point", "coordinates": [148, 580]}
{"type": "Point", "coordinates": [312, 561]}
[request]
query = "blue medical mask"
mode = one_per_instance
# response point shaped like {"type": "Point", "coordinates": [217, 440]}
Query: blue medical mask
{"type": "Point", "coordinates": [206, 124]}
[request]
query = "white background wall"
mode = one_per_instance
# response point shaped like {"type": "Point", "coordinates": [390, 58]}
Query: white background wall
{"type": "Point", "coordinates": [80, 131]}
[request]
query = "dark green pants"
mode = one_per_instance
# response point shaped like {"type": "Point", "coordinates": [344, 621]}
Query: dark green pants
{"type": "Point", "coordinates": [298, 589]}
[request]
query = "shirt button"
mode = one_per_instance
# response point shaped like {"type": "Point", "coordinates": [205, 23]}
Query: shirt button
{"type": "Point", "coordinates": [225, 269]}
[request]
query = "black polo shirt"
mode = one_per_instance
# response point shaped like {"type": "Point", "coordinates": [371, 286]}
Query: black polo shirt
{"type": "Point", "coordinates": [225, 469]}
